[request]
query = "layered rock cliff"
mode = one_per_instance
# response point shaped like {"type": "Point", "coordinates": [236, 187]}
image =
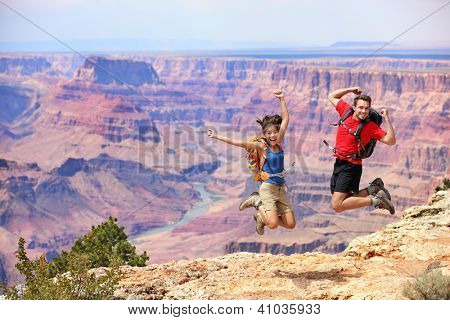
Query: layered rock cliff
{"type": "Point", "coordinates": [14, 101]}
{"type": "Point", "coordinates": [375, 266]}
{"type": "Point", "coordinates": [39, 66]}
{"type": "Point", "coordinates": [51, 209]}
{"type": "Point", "coordinates": [24, 65]}
{"type": "Point", "coordinates": [160, 121]}
{"type": "Point", "coordinates": [108, 71]}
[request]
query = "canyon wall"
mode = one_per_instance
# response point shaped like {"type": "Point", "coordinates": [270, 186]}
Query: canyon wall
{"type": "Point", "coordinates": [73, 136]}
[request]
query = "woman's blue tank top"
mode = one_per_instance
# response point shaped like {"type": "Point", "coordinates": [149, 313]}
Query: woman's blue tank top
{"type": "Point", "coordinates": [274, 164]}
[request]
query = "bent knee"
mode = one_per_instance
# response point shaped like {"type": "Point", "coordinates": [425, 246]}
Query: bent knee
{"type": "Point", "coordinates": [290, 225]}
{"type": "Point", "coordinates": [336, 207]}
{"type": "Point", "coordinates": [271, 220]}
{"type": "Point", "coordinates": [272, 224]}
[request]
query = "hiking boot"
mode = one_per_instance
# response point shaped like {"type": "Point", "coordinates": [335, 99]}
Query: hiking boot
{"type": "Point", "coordinates": [384, 202]}
{"type": "Point", "coordinates": [252, 201]}
{"type": "Point", "coordinates": [259, 223]}
{"type": "Point", "coordinates": [376, 185]}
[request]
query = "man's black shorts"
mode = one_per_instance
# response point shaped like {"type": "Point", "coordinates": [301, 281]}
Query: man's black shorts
{"type": "Point", "coordinates": [346, 177]}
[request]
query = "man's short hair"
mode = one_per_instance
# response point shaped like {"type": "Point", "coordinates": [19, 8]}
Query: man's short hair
{"type": "Point", "coordinates": [362, 97]}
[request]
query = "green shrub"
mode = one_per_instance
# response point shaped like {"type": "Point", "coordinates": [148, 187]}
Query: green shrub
{"type": "Point", "coordinates": [428, 285]}
{"type": "Point", "coordinates": [445, 185]}
{"type": "Point", "coordinates": [78, 283]}
{"type": "Point", "coordinates": [69, 276]}
{"type": "Point", "coordinates": [105, 243]}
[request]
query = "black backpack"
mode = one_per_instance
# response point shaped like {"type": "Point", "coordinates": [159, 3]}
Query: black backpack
{"type": "Point", "coordinates": [366, 150]}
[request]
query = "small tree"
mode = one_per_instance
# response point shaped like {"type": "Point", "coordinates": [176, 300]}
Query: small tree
{"type": "Point", "coordinates": [105, 243]}
{"type": "Point", "coordinates": [69, 276]}
{"type": "Point", "coordinates": [78, 283]}
{"type": "Point", "coordinates": [445, 185]}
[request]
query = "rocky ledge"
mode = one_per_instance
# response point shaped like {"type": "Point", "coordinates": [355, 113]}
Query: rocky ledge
{"type": "Point", "coordinates": [375, 266]}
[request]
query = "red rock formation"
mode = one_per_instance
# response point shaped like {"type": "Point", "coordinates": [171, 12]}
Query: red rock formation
{"type": "Point", "coordinates": [79, 105]}
{"type": "Point", "coordinates": [108, 71]}
{"type": "Point", "coordinates": [23, 66]}
{"type": "Point", "coordinates": [92, 113]}
{"type": "Point", "coordinates": [52, 209]}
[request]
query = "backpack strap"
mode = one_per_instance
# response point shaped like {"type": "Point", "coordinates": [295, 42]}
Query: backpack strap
{"type": "Point", "coordinates": [354, 156]}
{"type": "Point", "coordinates": [284, 172]}
{"type": "Point", "coordinates": [357, 133]}
{"type": "Point", "coordinates": [344, 116]}
{"type": "Point", "coordinates": [263, 156]}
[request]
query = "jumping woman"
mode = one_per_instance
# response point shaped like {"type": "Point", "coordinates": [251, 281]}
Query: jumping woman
{"type": "Point", "coordinates": [273, 208]}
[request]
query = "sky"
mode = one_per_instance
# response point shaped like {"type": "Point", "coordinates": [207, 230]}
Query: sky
{"type": "Point", "coordinates": [218, 24]}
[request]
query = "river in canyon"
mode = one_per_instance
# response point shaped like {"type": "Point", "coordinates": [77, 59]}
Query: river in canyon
{"type": "Point", "coordinates": [199, 208]}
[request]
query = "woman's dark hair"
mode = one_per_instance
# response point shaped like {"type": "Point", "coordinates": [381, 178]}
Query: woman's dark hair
{"type": "Point", "coordinates": [267, 121]}
{"type": "Point", "coordinates": [362, 97]}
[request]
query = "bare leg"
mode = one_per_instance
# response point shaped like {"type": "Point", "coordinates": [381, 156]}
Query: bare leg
{"type": "Point", "coordinates": [361, 193]}
{"type": "Point", "coordinates": [342, 201]}
{"type": "Point", "coordinates": [287, 220]}
{"type": "Point", "coordinates": [270, 218]}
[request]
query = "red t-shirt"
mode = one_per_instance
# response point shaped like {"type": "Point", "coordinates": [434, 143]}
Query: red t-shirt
{"type": "Point", "coordinates": [346, 142]}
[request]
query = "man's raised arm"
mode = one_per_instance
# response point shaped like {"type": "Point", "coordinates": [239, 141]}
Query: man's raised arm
{"type": "Point", "coordinates": [389, 138]}
{"type": "Point", "coordinates": [336, 95]}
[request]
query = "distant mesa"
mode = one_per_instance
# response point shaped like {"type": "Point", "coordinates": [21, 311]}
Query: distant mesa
{"type": "Point", "coordinates": [24, 66]}
{"type": "Point", "coordinates": [360, 44]}
{"type": "Point", "coordinates": [117, 71]}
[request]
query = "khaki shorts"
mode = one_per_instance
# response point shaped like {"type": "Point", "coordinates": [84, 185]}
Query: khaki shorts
{"type": "Point", "coordinates": [274, 198]}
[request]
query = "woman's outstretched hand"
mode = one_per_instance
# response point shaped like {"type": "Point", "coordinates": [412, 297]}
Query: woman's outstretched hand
{"type": "Point", "coordinates": [279, 94]}
{"type": "Point", "coordinates": [212, 133]}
